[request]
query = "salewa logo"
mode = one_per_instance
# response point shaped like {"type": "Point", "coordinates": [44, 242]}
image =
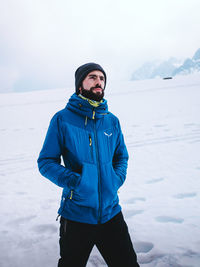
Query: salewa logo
{"type": "Point", "coordinates": [109, 135]}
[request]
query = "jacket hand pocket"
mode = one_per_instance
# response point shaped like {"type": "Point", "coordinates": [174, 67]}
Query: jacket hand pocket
{"type": "Point", "coordinates": [118, 182]}
{"type": "Point", "coordinates": [74, 180]}
{"type": "Point", "coordinates": [85, 192]}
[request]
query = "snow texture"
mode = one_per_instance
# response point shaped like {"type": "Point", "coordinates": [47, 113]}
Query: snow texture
{"type": "Point", "coordinates": [160, 198]}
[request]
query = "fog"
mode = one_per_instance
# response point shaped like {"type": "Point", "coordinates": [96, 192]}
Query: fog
{"type": "Point", "coordinates": [43, 42]}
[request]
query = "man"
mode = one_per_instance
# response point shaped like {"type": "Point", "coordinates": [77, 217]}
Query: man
{"type": "Point", "coordinates": [89, 139]}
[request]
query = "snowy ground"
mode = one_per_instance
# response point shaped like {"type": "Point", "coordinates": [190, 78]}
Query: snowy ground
{"type": "Point", "coordinates": [160, 199]}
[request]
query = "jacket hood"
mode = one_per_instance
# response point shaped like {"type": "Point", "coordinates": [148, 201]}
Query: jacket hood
{"type": "Point", "coordinates": [83, 107]}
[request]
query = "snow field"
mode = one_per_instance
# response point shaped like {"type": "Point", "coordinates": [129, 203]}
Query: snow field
{"type": "Point", "coordinates": [160, 198]}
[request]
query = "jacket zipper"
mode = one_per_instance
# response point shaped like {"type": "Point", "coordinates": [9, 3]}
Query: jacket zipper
{"type": "Point", "coordinates": [98, 168]}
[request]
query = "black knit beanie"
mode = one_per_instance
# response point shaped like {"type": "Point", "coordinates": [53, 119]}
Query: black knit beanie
{"type": "Point", "coordinates": [83, 71]}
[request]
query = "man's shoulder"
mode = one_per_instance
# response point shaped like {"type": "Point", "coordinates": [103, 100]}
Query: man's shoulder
{"type": "Point", "coordinates": [113, 118]}
{"type": "Point", "coordinates": [60, 113]}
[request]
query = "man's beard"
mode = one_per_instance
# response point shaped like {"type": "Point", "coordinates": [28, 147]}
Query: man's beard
{"type": "Point", "coordinates": [98, 96]}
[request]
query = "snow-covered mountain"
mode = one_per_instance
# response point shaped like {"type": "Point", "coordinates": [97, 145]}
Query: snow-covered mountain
{"type": "Point", "coordinates": [189, 66]}
{"type": "Point", "coordinates": [156, 68]}
{"type": "Point", "coordinates": [171, 67]}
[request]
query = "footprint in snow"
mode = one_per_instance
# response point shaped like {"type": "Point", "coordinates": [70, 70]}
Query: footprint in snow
{"type": "Point", "coordinates": [44, 228]}
{"type": "Point", "coordinates": [189, 124]}
{"type": "Point", "coordinates": [95, 260]}
{"type": "Point", "coordinates": [151, 257]}
{"type": "Point", "coordinates": [168, 219]}
{"type": "Point", "coordinates": [130, 213]}
{"type": "Point", "coordinates": [143, 247]}
{"type": "Point", "coordinates": [27, 243]}
{"type": "Point", "coordinates": [134, 200]}
{"type": "Point", "coordinates": [160, 125]}
{"type": "Point", "coordinates": [153, 181]}
{"type": "Point", "coordinates": [150, 133]}
{"type": "Point", "coordinates": [21, 221]}
{"type": "Point", "coordinates": [21, 193]}
{"type": "Point", "coordinates": [185, 195]}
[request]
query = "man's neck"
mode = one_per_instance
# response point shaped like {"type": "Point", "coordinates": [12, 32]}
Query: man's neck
{"type": "Point", "coordinates": [90, 101]}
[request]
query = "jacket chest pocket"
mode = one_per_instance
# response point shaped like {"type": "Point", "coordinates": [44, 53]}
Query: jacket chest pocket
{"type": "Point", "coordinates": [107, 145]}
{"type": "Point", "coordinates": [87, 148]}
{"type": "Point", "coordinates": [81, 145]}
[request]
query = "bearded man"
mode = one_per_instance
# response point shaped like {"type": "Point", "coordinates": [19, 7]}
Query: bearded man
{"type": "Point", "coordinates": [89, 139]}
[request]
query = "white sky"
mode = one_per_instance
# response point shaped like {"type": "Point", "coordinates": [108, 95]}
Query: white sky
{"type": "Point", "coordinates": [42, 42]}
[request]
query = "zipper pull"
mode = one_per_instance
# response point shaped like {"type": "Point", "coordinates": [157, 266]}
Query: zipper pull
{"type": "Point", "coordinates": [90, 139]}
{"type": "Point", "coordinates": [93, 116]}
{"type": "Point", "coordinates": [71, 194]}
{"type": "Point", "coordinates": [57, 217]}
{"type": "Point", "coordinates": [85, 120]}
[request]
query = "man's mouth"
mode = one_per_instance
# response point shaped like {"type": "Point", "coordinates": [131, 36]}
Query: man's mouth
{"type": "Point", "coordinates": [98, 89]}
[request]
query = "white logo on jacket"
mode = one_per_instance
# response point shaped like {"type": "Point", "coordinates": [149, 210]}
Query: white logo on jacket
{"type": "Point", "coordinates": [109, 135]}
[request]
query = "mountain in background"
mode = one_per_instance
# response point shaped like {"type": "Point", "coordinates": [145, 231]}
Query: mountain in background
{"type": "Point", "coordinates": [169, 68]}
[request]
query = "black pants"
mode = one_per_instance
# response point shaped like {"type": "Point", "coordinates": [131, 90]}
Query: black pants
{"type": "Point", "coordinates": [111, 238]}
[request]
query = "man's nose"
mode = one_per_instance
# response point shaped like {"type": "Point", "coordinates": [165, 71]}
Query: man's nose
{"type": "Point", "coordinates": [98, 85]}
{"type": "Point", "coordinates": [98, 81]}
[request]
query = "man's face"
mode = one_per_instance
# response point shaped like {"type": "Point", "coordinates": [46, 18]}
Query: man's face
{"type": "Point", "coordinates": [93, 86]}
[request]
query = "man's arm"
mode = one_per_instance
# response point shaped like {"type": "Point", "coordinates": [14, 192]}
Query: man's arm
{"type": "Point", "coordinates": [120, 159]}
{"type": "Point", "coordinates": [50, 157]}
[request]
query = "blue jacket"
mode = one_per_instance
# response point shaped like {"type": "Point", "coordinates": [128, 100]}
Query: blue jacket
{"type": "Point", "coordinates": [94, 154]}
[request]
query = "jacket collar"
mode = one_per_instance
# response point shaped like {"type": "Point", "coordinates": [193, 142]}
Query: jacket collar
{"type": "Point", "coordinates": [85, 109]}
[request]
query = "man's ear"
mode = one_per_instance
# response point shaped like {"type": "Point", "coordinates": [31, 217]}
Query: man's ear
{"type": "Point", "coordinates": [80, 90]}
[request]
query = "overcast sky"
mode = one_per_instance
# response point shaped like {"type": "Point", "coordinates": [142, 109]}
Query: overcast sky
{"type": "Point", "coordinates": [42, 42]}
